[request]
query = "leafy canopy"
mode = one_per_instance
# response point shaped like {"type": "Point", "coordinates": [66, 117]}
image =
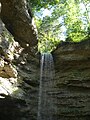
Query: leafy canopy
{"type": "Point", "coordinates": [57, 20]}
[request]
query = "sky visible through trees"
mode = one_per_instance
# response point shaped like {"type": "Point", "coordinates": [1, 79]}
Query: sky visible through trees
{"type": "Point", "coordinates": [57, 20]}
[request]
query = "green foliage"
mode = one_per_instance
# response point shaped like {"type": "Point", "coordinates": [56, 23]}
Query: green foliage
{"type": "Point", "coordinates": [69, 19]}
{"type": "Point", "coordinates": [38, 4]}
{"type": "Point", "coordinates": [47, 42]}
{"type": "Point", "coordinates": [75, 28]}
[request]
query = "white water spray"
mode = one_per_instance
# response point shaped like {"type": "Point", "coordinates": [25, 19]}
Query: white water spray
{"type": "Point", "coordinates": [45, 102]}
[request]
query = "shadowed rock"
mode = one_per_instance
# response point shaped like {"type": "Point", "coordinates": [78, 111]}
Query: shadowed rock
{"type": "Point", "coordinates": [17, 19]}
{"type": "Point", "coordinates": [72, 65]}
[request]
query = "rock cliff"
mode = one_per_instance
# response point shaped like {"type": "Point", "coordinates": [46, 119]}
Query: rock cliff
{"type": "Point", "coordinates": [19, 63]}
{"type": "Point", "coordinates": [19, 76]}
{"type": "Point", "coordinates": [19, 72]}
{"type": "Point", "coordinates": [19, 80]}
{"type": "Point", "coordinates": [72, 66]}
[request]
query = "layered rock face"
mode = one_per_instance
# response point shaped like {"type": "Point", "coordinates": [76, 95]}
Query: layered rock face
{"type": "Point", "coordinates": [19, 63]}
{"type": "Point", "coordinates": [72, 66]}
{"type": "Point", "coordinates": [19, 71]}
{"type": "Point", "coordinates": [19, 76]}
{"type": "Point", "coordinates": [19, 80]}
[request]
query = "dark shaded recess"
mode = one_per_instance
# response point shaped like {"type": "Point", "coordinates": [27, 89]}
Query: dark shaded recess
{"type": "Point", "coordinates": [32, 83]}
{"type": "Point", "coordinates": [10, 108]}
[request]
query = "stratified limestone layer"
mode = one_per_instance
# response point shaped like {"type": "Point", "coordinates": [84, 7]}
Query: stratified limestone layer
{"type": "Point", "coordinates": [72, 65]}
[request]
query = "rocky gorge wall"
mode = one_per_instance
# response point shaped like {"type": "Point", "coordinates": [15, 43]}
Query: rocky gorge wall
{"type": "Point", "coordinates": [19, 80]}
{"type": "Point", "coordinates": [72, 66]}
{"type": "Point", "coordinates": [20, 66]}
{"type": "Point", "coordinates": [19, 75]}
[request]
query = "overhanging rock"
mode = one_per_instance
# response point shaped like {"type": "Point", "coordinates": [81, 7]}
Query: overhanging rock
{"type": "Point", "coordinates": [17, 19]}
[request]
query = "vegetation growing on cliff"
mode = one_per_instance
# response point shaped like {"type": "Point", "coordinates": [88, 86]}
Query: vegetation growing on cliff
{"type": "Point", "coordinates": [67, 20]}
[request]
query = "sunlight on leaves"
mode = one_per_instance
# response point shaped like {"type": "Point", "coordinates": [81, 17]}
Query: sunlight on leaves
{"type": "Point", "coordinates": [57, 20]}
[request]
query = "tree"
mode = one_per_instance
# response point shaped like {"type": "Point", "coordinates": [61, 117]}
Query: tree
{"type": "Point", "coordinates": [68, 20]}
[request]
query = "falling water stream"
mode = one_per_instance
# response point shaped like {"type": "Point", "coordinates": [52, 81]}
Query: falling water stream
{"type": "Point", "coordinates": [45, 102]}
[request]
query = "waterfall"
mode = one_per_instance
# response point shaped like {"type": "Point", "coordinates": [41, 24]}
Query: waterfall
{"type": "Point", "coordinates": [45, 102]}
